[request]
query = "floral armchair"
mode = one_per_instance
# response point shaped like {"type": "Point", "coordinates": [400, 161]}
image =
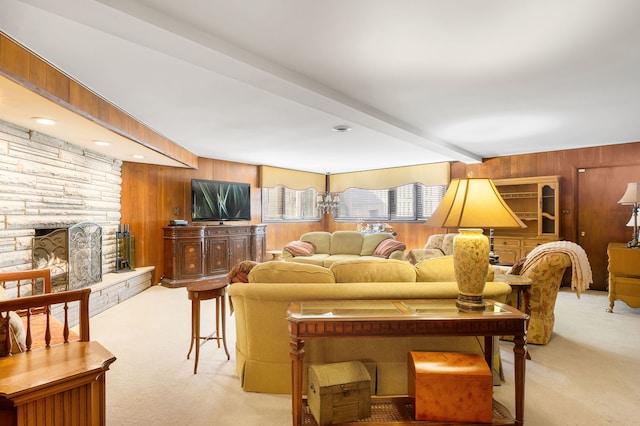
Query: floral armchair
{"type": "Point", "coordinates": [437, 245]}
{"type": "Point", "coordinates": [546, 274]}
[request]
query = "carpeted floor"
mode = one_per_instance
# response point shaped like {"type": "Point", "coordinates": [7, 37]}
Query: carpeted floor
{"type": "Point", "coordinates": [587, 375]}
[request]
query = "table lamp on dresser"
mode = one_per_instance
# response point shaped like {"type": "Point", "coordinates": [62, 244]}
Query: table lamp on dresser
{"type": "Point", "coordinates": [632, 197]}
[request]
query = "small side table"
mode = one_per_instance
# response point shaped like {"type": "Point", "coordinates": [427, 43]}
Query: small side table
{"type": "Point", "coordinates": [624, 275]}
{"type": "Point", "coordinates": [206, 290]}
{"type": "Point", "coordinates": [275, 254]}
{"type": "Point", "coordinates": [522, 286]}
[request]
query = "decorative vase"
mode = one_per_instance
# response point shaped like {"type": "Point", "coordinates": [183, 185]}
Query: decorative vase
{"type": "Point", "coordinates": [471, 263]}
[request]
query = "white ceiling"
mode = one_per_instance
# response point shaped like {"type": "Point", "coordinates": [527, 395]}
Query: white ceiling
{"type": "Point", "coordinates": [418, 81]}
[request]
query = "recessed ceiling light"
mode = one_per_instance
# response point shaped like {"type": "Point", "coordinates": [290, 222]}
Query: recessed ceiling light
{"type": "Point", "coordinates": [138, 156]}
{"type": "Point", "coordinates": [102, 143]}
{"type": "Point", "coordinates": [45, 121]}
{"type": "Point", "coordinates": [341, 128]}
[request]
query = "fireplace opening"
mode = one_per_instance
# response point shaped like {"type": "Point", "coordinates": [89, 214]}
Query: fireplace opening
{"type": "Point", "coordinates": [74, 255]}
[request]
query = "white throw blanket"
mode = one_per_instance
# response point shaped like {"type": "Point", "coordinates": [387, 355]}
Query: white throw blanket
{"type": "Point", "coordinates": [581, 276]}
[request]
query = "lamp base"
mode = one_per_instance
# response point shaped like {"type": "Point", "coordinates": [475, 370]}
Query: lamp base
{"type": "Point", "coordinates": [471, 263]}
{"type": "Point", "coordinates": [467, 303]}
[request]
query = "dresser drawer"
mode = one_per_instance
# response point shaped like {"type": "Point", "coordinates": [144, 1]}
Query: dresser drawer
{"type": "Point", "coordinates": [501, 242]}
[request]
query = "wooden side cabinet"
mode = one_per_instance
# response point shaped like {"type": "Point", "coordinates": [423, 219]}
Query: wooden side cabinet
{"type": "Point", "coordinates": [194, 253]}
{"type": "Point", "coordinates": [624, 275]}
{"type": "Point", "coordinates": [536, 201]}
{"type": "Point", "coordinates": [60, 385]}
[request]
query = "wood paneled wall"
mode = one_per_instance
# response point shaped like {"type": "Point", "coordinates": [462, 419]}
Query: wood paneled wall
{"type": "Point", "coordinates": [151, 194]}
{"type": "Point", "coordinates": [565, 164]}
{"type": "Point", "coordinates": [154, 195]}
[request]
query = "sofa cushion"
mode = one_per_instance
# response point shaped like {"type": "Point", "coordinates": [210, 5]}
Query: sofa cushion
{"type": "Point", "coordinates": [339, 258]}
{"type": "Point", "coordinates": [378, 270]}
{"type": "Point", "coordinates": [386, 247]}
{"type": "Point", "coordinates": [321, 240]}
{"type": "Point", "coordinates": [346, 242]}
{"type": "Point", "coordinates": [441, 269]}
{"type": "Point", "coordinates": [447, 244]}
{"type": "Point", "coordinates": [300, 248]}
{"type": "Point", "coordinates": [314, 259]}
{"type": "Point", "coordinates": [290, 272]}
{"type": "Point", "coordinates": [434, 241]}
{"type": "Point", "coordinates": [442, 242]}
{"type": "Point", "coordinates": [371, 241]}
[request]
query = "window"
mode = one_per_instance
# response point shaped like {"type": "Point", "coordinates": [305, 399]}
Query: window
{"type": "Point", "coordinates": [284, 204]}
{"type": "Point", "coordinates": [413, 202]}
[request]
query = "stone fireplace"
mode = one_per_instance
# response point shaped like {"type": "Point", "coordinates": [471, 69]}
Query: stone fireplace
{"type": "Point", "coordinates": [73, 254]}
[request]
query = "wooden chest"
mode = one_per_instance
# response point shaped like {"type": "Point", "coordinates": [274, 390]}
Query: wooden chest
{"type": "Point", "coordinates": [339, 392]}
{"type": "Point", "coordinates": [450, 386]}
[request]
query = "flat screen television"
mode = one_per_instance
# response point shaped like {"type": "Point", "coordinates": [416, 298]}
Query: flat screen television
{"type": "Point", "coordinates": [219, 201]}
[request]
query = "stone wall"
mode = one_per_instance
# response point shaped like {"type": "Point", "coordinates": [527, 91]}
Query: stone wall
{"type": "Point", "coordinates": [49, 183]}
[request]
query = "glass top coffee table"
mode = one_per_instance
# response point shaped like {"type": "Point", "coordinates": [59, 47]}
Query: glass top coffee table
{"type": "Point", "coordinates": [389, 318]}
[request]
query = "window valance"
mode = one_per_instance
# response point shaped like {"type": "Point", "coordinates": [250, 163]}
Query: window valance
{"type": "Point", "coordinates": [292, 179]}
{"type": "Point", "coordinates": [427, 174]}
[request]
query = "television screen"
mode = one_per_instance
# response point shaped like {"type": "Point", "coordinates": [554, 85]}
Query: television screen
{"type": "Point", "coordinates": [213, 200]}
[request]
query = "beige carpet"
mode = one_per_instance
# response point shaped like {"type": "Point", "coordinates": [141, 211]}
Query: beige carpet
{"type": "Point", "coordinates": [588, 374]}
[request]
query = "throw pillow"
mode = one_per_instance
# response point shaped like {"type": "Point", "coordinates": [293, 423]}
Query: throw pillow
{"type": "Point", "coordinates": [240, 272]}
{"type": "Point", "coordinates": [300, 248]}
{"type": "Point", "coordinates": [517, 268]}
{"type": "Point", "coordinates": [388, 246]}
{"type": "Point", "coordinates": [16, 331]}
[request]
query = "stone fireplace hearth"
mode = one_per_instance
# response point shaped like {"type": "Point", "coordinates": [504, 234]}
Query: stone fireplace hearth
{"type": "Point", "coordinates": [74, 255]}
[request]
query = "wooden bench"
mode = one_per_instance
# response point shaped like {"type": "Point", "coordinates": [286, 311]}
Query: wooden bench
{"type": "Point", "coordinates": [58, 383]}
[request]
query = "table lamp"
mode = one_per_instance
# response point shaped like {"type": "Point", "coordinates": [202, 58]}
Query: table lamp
{"type": "Point", "coordinates": [470, 204]}
{"type": "Point", "coordinates": [632, 197]}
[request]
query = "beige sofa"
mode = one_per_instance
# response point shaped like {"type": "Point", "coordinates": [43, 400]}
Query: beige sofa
{"type": "Point", "coordinates": [262, 344]}
{"type": "Point", "coordinates": [329, 248]}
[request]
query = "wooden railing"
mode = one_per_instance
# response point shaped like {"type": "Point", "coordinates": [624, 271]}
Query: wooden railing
{"type": "Point", "coordinates": [43, 303]}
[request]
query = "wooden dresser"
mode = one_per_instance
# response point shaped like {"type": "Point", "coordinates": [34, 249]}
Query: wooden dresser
{"type": "Point", "coordinates": [624, 275]}
{"type": "Point", "coordinates": [194, 253]}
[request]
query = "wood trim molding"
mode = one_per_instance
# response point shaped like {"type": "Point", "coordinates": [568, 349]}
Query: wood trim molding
{"type": "Point", "coordinates": [33, 73]}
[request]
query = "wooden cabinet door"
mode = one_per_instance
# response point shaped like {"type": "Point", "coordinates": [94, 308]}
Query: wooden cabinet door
{"type": "Point", "coordinates": [240, 249]}
{"type": "Point", "coordinates": [189, 255]}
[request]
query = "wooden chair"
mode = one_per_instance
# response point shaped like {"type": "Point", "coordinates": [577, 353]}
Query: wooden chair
{"type": "Point", "coordinates": [26, 281]}
{"type": "Point", "coordinates": [62, 382]}
{"type": "Point", "coordinates": [35, 310]}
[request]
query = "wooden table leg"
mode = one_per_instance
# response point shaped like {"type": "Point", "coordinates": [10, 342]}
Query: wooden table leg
{"type": "Point", "coordinates": [297, 356]}
{"type": "Point", "coordinates": [196, 325]}
{"type": "Point", "coordinates": [193, 329]}
{"type": "Point", "coordinates": [218, 321]}
{"type": "Point", "coordinates": [519, 352]}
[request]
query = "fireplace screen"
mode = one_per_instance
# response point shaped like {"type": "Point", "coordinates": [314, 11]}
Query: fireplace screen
{"type": "Point", "coordinates": [74, 255]}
